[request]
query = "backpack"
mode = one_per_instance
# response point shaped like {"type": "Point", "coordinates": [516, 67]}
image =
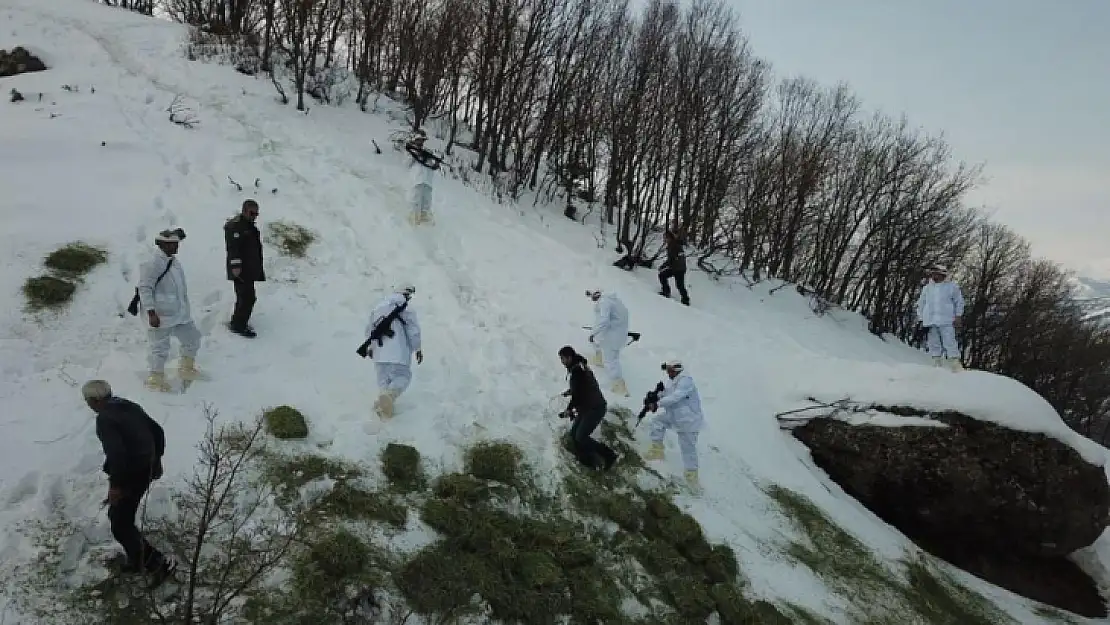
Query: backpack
{"type": "Point", "coordinates": [133, 307]}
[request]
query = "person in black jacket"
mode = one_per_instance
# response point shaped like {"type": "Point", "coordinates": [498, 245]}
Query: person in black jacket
{"type": "Point", "coordinates": [674, 267]}
{"type": "Point", "coordinates": [244, 265]}
{"type": "Point", "coordinates": [587, 409]}
{"type": "Point", "coordinates": [133, 447]}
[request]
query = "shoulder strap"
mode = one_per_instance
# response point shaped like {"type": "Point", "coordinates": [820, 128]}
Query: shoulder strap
{"type": "Point", "coordinates": [164, 272]}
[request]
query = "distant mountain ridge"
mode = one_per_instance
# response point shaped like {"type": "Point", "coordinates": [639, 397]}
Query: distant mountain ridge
{"type": "Point", "coordinates": [1094, 295]}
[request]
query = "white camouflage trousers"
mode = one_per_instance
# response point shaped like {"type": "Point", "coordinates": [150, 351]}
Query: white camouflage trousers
{"type": "Point", "coordinates": [422, 202]}
{"type": "Point", "coordinates": [942, 342]}
{"type": "Point", "coordinates": [186, 333]}
{"type": "Point", "coordinates": [612, 361]}
{"type": "Point", "coordinates": [687, 441]}
{"type": "Point", "coordinates": [393, 377]}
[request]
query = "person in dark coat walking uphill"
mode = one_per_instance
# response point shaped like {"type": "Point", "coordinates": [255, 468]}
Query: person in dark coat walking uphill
{"type": "Point", "coordinates": [133, 447]}
{"type": "Point", "coordinates": [244, 264]}
{"type": "Point", "coordinates": [587, 409]}
{"type": "Point", "coordinates": [674, 267]}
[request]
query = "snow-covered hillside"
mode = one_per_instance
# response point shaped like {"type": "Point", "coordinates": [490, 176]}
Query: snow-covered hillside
{"type": "Point", "coordinates": [499, 291]}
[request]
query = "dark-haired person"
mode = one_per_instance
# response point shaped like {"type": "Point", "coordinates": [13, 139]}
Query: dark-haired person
{"type": "Point", "coordinates": [586, 409]}
{"type": "Point", "coordinates": [244, 265]}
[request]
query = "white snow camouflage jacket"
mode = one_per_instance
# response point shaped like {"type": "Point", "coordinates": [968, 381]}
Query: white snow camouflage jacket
{"type": "Point", "coordinates": [681, 400]}
{"type": "Point", "coordinates": [940, 303]}
{"type": "Point", "coordinates": [171, 297]}
{"type": "Point", "coordinates": [610, 328]}
{"type": "Point", "coordinates": [399, 348]}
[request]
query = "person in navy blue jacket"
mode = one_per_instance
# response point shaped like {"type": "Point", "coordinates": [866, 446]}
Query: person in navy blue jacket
{"type": "Point", "coordinates": [133, 448]}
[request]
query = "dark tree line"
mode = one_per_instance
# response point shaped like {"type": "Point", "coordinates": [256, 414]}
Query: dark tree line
{"type": "Point", "coordinates": [663, 117]}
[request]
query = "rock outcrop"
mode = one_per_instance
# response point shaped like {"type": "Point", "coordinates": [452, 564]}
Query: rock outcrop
{"type": "Point", "coordinates": [19, 61]}
{"type": "Point", "coordinates": [985, 497]}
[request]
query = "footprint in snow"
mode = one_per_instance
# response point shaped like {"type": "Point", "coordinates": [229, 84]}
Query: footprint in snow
{"type": "Point", "coordinates": [208, 322]}
{"type": "Point", "coordinates": [26, 488]}
{"type": "Point", "coordinates": [212, 298]}
{"type": "Point", "coordinates": [300, 350]}
{"type": "Point", "coordinates": [140, 234]}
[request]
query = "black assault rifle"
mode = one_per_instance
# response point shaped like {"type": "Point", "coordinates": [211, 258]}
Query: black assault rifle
{"type": "Point", "coordinates": [384, 328]}
{"type": "Point", "coordinates": [424, 157]}
{"type": "Point", "coordinates": [650, 399]}
{"type": "Point", "coordinates": [632, 336]}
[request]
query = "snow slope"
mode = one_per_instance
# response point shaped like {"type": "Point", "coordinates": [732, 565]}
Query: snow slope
{"type": "Point", "coordinates": [499, 291]}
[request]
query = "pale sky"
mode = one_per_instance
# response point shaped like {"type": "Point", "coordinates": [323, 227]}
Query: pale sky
{"type": "Point", "coordinates": [1022, 86]}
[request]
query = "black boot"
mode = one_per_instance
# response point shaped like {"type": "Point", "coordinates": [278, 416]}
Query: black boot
{"type": "Point", "coordinates": [245, 331]}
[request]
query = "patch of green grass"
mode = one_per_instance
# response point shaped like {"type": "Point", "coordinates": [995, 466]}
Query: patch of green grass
{"type": "Point", "coordinates": [804, 616]}
{"type": "Point", "coordinates": [334, 567]}
{"type": "Point", "coordinates": [75, 259]}
{"type": "Point", "coordinates": [832, 553]}
{"type": "Point", "coordinates": [401, 466]}
{"type": "Point", "coordinates": [291, 473]}
{"type": "Point", "coordinates": [285, 422]}
{"type": "Point", "coordinates": [497, 461]}
{"type": "Point", "coordinates": [46, 292]}
{"type": "Point", "coordinates": [347, 501]}
{"type": "Point", "coordinates": [941, 599]}
{"type": "Point", "coordinates": [289, 238]}
{"type": "Point", "coordinates": [1055, 615]}
{"type": "Point", "coordinates": [879, 596]}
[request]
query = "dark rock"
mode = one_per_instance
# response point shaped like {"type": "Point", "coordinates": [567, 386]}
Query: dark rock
{"type": "Point", "coordinates": [1003, 504]}
{"type": "Point", "coordinates": [19, 61]}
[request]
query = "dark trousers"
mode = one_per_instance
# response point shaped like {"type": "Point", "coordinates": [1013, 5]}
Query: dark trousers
{"type": "Point", "coordinates": [592, 453]}
{"type": "Point", "coordinates": [140, 554]}
{"type": "Point", "coordinates": [679, 283]}
{"type": "Point", "coordinates": [244, 303]}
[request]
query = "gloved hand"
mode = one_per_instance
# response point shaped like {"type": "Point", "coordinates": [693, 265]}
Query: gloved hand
{"type": "Point", "coordinates": [419, 357]}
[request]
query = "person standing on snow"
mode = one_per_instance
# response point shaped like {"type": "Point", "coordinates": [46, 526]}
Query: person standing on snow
{"type": "Point", "coordinates": [940, 309]}
{"type": "Point", "coordinates": [422, 176]}
{"type": "Point", "coordinates": [674, 267]}
{"type": "Point", "coordinates": [609, 335]}
{"type": "Point", "coordinates": [244, 265]}
{"type": "Point", "coordinates": [587, 408]}
{"type": "Point", "coordinates": [165, 297]}
{"type": "Point", "coordinates": [394, 336]}
{"type": "Point", "coordinates": [133, 447]}
{"type": "Point", "coordinates": [682, 403]}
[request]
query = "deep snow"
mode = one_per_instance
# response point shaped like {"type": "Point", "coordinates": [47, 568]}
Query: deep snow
{"type": "Point", "coordinates": [500, 289]}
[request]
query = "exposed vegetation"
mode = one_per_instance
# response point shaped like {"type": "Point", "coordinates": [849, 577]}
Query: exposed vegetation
{"type": "Point", "coordinates": [286, 422]}
{"type": "Point", "coordinates": [880, 595]}
{"type": "Point", "coordinates": [597, 547]}
{"type": "Point", "coordinates": [67, 267]}
{"type": "Point", "coordinates": [48, 293]}
{"type": "Point", "coordinates": [401, 465]}
{"type": "Point", "coordinates": [76, 259]}
{"type": "Point", "coordinates": [290, 239]}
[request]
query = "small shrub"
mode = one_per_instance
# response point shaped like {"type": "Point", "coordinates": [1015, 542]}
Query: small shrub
{"type": "Point", "coordinates": [76, 259]}
{"type": "Point", "coordinates": [328, 579]}
{"type": "Point", "coordinates": [495, 460]}
{"type": "Point", "coordinates": [441, 579]}
{"type": "Point", "coordinates": [290, 239]}
{"type": "Point", "coordinates": [350, 502]}
{"type": "Point", "coordinates": [286, 422]}
{"type": "Point", "coordinates": [401, 466]}
{"type": "Point", "coordinates": [47, 292]}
